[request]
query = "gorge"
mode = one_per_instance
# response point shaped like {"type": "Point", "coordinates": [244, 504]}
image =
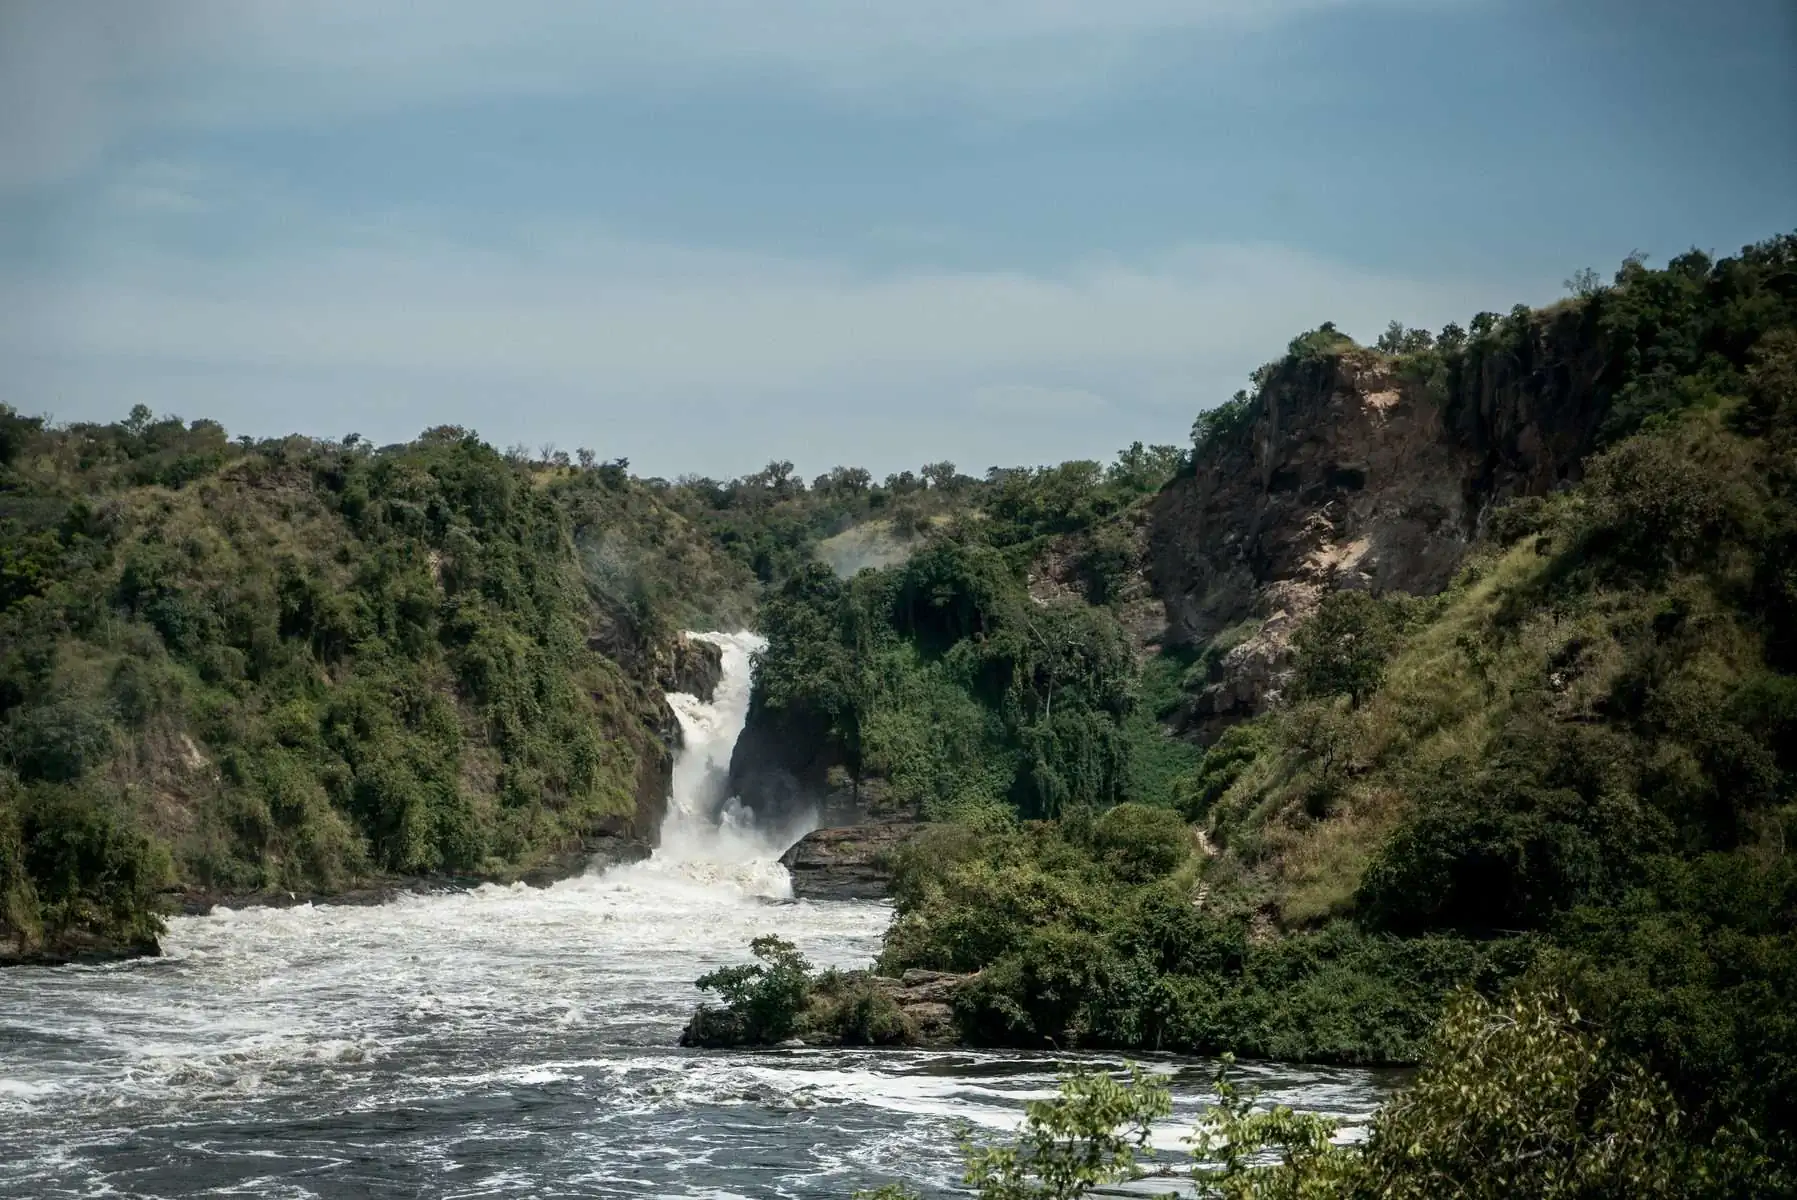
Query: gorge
{"type": "Point", "coordinates": [1442, 687]}
{"type": "Point", "coordinates": [507, 1040]}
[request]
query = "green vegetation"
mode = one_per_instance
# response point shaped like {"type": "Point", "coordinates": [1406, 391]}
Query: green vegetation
{"type": "Point", "coordinates": [1096, 930]}
{"type": "Point", "coordinates": [1580, 759]}
{"type": "Point", "coordinates": [959, 688]}
{"type": "Point", "coordinates": [1516, 1098]}
{"type": "Point", "coordinates": [301, 665]}
{"type": "Point", "coordinates": [780, 997]}
{"type": "Point", "coordinates": [1568, 779]}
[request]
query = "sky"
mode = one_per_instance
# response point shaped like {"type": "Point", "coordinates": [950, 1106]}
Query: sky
{"type": "Point", "coordinates": [703, 234]}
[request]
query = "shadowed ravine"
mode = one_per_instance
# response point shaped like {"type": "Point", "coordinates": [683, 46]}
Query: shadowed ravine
{"type": "Point", "coordinates": [506, 1041]}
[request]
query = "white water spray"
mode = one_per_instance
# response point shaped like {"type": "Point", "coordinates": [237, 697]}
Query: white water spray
{"type": "Point", "coordinates": [707, 837]}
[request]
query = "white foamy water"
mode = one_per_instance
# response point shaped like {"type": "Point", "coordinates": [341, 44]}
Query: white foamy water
{"type": "Point", "coordinates": [506, 1041]}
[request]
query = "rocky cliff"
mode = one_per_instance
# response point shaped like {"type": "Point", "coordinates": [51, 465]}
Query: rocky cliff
{"type": "Point", "coordinates": [847, 862]}
{"type": "Point", "coordinates": [1356, 469]}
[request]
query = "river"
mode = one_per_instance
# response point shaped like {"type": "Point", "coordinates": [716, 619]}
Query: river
{"type": "Point", "coordinates": [508, 1042]}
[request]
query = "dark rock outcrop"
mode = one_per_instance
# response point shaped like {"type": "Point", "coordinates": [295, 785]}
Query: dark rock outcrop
{"type": "Point", "coordinates": [691, 666]}
{"type": "Point", "coordinates": [784, 772]}
{"type": "Point", "coordinates": [77, 946]}
{"type": "Point", "coordinates": [1350, 475]}
{"type": "Point", "coordinates": [847, 863]}
{"type": "Point", "coordinates": [927, 999]}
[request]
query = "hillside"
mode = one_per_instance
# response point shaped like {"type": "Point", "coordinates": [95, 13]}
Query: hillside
{"type": "Point", "coordinates": [297, 666]}
{"type": "Point", "coordinates": [1477, 665]}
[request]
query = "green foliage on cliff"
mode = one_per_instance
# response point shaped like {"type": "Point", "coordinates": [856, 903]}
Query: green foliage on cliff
{"type": "Point", "coordinates": [1590, 740]}
{"type": "Point", "coordinates": [944, 679]}
{"type": "Point", "coordinates": [1581, 757]}
{"type": "Point", "coordinates": [950, 687]}
{"type": "Point", "coordinates": [295, 664]}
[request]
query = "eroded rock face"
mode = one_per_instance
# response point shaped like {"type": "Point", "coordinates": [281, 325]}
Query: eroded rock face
{"type": "Point", "coordinates": [848, 863]}
{"type": "Point", "coordinates": [691, 666]}
{"type": "Point", "coordinates": [927, 999]}
{"type": "Point", "coordinates": [1352, 477]}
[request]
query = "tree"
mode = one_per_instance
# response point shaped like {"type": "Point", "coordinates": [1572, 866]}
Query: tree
{"type": "Point", "coordinates": [1343, 648]}
{"type": "Point", "coordinates": [767, 997]}
{"type": "Point", "coordinates": [1398, 340]}
{"type": "Point", "coordinates": [940, 475]}
{"type": "Point", "coordinates": [1584, 283]}
{"type": "Point", "coordinates": [1214, 425]}
{"type": "Point", "coordinates": [1087, 1136]}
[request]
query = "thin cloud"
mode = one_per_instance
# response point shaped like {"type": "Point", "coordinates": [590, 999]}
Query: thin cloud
{"type": "Point", "coordinates": [678, 316]}
{"type": "Point", "coordinates": [685, 355]}
{"type": "Point", "coordinates": [77, 77]}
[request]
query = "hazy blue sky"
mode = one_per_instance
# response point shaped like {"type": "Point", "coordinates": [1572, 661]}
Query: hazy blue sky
{"type": "Point", "coordinates": [703, 233]}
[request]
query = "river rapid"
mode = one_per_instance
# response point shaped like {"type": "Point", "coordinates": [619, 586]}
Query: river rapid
{"type": "Point", "coordinates": [510, 1041]}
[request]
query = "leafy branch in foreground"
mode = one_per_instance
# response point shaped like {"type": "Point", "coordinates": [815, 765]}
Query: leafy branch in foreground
{"type": "Point", "coordinates": [1088, 1135]}
{"type": "Point", "coordinates": [1517, 1098]}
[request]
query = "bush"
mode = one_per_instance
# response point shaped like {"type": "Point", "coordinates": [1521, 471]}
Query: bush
{"type": "Point", "coordinates": [857, 1012]}
{"type": "Point", "coordinates": [763, 1001]}
{"type": "Point", "coordinates": [86, 867]}
{"type": "Point", "coordinates": [58, 741]}
{"type": "Point", "coordinates": [1343, 647]}
{"type": "Point", "coordinates": [1139, 844]}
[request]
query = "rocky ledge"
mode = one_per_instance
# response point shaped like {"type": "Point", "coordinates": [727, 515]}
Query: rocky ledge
{"type": "Point", "coordinates": [927, 1000]}
{"type": "Point", "coordinates": [77, 946]}
{"type": "Point", "coordinates": [691, 666]}
{"type": "Point", "coordinates": [591, 854]}
{"type": "Point", "coordinates": [851, 862]}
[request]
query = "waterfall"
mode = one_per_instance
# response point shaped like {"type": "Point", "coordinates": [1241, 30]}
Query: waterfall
{"type": "Point", "coordinates": [707, 835]}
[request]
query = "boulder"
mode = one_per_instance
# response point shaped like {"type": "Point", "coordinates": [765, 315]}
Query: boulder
{"type": "Point", "coordinates": [691, 666]}
{"type": "Point", "coordinates": [847, 863]}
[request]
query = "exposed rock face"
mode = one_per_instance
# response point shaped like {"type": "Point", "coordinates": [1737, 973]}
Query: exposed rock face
{"type": "Point", "coordinates": [691, 666]}
{"type": "Point", "coordinates": [77, 946]}
{"type": "Point", "coordinates": [927, 998]}
{"type": "Point", "coordinates": [849, 863]}
{"type": "Point", "coordinates": [781, 772]}
{"type": "Point", "coordinates": [1350, 477]}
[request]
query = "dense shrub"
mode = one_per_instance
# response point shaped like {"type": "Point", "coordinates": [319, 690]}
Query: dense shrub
{"type": "Point", "coordinates": [764, 1000]}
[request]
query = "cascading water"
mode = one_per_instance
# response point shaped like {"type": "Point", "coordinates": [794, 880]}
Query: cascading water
{"type": "Point", "coordinates": [707, 836]}
{"type": "Point", "coordinates": [506, 1041]}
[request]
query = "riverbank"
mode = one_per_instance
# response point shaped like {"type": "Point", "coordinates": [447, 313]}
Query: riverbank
{"type": "Point", "coordinates": [83, 947]}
